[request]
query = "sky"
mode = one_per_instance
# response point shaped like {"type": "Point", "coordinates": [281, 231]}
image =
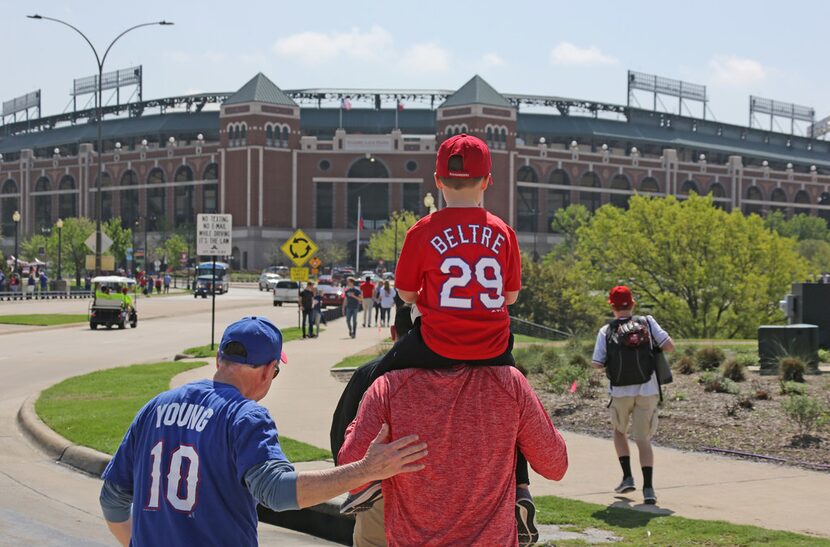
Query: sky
{"type": "Point", "coordinates": [570, 49]}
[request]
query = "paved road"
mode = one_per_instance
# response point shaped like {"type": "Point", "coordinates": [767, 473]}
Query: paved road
{"type": "Point", "coordinates": [43, 503]}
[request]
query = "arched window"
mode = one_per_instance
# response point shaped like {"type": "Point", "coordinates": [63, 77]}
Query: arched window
{"type": "Point", "coordinates": [43, 204]}
{"type": "Point", "coordinates": [620, 182]}
{"type": "Point", "coordinates": [243, 135]}
{"type": "Point", "coordinates": [649, 184]}
{"type": "Point", "coordinates": [802, 196]}
{"type": "Point", "coordinates": [9, 203]}
{"type": "Point", "coordinates": [210, 192]}
{"type": "Point", "coordinates": [717, 191]}
{"type": "Point", "coordinates": [156, 202]}
{"type": "Point", "coordinates": [489, 136]}
{"type": "Point", "coordinates": [129, 199]}
{"type": "Point", "coordinates": [778, 196]}
{"type": "Point", "coordinates": [183, 197]}
{"type": "Point", "coordinates": [527, 174]}
{"type": "Point", "coordinates": [591, 200]}
{"type": "Point", "coordinates": [67, 202]}
{"type": "Point", "coordinates": [824, 199]}
{"type": "Point", "coordinates": [503, 137]}
{"type": "Point", "coordinates": [106, 196]}
{"type": "Point", "coordinates": [284, 136]}
{"type": "Point", "coordinates": [374, 196]}
{"type": "Point", "coordinates": [557, 199]}
{"type": "Point", "coordinates": [688, 187]}
{"type": "Point", "coordinates": [269, 135]}
{"type": "Point", "coordinates": [527, 203]}
{"type": "Point", "coordinates": [753, 193]}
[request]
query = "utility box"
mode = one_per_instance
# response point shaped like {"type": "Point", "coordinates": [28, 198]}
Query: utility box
{"type": "Point", "coordinates": [777, 341]}
{"type": "Point", "coordinates": [810, 303]}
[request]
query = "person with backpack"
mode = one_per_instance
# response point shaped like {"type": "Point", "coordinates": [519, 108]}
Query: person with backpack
{"type": "Point", "coordinates": [626, 348]}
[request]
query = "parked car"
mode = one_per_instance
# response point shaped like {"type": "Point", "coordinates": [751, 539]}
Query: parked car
{"type": "Point", "coordinates": [267, 281]}
{"type": "Point", "coordinates": [325, 280]}
{"type": "Point", "coordinates": [286, 291]}
{"type": "Point", "coordinates": [332, 295]}
{"type": "Point", "coordinates": [388, 276]}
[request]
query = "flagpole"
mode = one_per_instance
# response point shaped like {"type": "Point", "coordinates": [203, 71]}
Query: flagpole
{"type": "Point", "coordinates": [397, 108]}
{"type": "Point", "coordinates": [357, 244]}
{"type": "Point", "coordinates": [340, 125]}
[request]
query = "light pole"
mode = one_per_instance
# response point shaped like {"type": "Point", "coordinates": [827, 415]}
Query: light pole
{"type": "Point", "coordinates": [395, 256]}
{"type": "Point", "coordinates": [59, 226]}
{"type": "Point", "coordinates": [16, 219]}
{"type": "Point", "coordinates": [99, 119]}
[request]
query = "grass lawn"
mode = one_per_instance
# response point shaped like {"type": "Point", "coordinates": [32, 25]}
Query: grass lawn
{"type": "Point", "coordinates": [643, 528]}
{"type": "Point", "coordinates": [96, 409]}
{"type": "Point", "coordinates": [354, 361]}
{"type": "Point", "coordinates": [288, 334]}
{"type": "Point", "coordinates": [44, 319]}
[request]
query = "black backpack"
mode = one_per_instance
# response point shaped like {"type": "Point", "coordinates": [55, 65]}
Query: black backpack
{"type": "Point", "coordinates": [629, 359]}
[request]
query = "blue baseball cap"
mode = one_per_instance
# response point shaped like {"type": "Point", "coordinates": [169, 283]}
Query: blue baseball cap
{"type": "Point", "coordinates": [261, 339]}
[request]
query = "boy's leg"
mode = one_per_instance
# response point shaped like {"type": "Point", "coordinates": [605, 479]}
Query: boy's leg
{"type": "Point", "coordinates": [369, 530]}
{"type": "Point", "coordinates": [525, 508]}
{"type": "Point", "coordinates": [643, 428]}
{"type": "Point", "coordinates": [621, 410]}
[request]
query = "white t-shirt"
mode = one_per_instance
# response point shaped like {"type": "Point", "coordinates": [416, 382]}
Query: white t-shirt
{"type": "Point", "coordinates": [648, 388]}
{"type": "Point", "coordinates": [387, 298]}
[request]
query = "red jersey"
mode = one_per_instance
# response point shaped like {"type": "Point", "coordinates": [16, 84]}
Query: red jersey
{"type": "Point", "coordinates": [462, 260]}
{"type": "Point", "coordinates": [367, 289]}
{"type": "Point", "coordinates": [472, 419]}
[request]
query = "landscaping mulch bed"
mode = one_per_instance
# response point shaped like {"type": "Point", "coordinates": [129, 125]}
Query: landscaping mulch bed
{"type": "Point", "coordinates": [692, 419]}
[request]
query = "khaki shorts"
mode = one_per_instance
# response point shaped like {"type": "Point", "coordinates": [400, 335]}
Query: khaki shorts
{"type": "Point", "coordinates": [644, 411]}
{"type": "Point", "coordinates": [369, 530]}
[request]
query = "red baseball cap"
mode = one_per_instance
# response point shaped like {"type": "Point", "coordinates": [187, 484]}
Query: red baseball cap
{"type": "Point", "coordinates": [474, 154]}
{"type": "Point", "coordinates": [620, 297]}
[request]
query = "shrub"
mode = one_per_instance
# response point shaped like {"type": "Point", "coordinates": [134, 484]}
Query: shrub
{"type": "Point", "coordinates": [791, 369]}
{"type": "Point", "coordinates": [712, 382]}
{"type": "Point", "coordinates": [805, 412]}
{"type": "Point", "coordinates": [709, 358]}
{"type": "Point", "coordinates": [562, 378]}
{"type": "Point", "coordinates": [536, 359]}
{"type": "Point", "coordinates": [824, 356]}
{"type": "Point", "coordinates": [734, 370]}
{"type": "Point", "coordinates": [793, 388]}
{"type": "Point", "coordinates": [579, 360]}
{"type": "Point", "coordinates": [747, 360]}
{"type": "Point", "coordinates": [685, 365]}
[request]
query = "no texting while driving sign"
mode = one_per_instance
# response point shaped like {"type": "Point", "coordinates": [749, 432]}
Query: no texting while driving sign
{"type": "Point", "coordinates": [213, 235]}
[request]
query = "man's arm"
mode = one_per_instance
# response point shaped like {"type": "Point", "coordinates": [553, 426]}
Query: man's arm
{"type": "Point", "coordinates": [115, 504]}
{"type": "Point", "coordinates": [538, 439]}
{"type": "Point", "coordinates": [408, 296]}
{"type": "Point", "coordinates": [510, 297]}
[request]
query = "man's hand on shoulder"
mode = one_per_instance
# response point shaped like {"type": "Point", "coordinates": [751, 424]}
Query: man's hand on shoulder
{"type": "Point", "coordinates": [384, 460]}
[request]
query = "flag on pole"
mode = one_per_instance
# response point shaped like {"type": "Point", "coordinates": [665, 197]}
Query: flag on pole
{"type": "Point", "coordinates": [400, 106]}
{"type": "Point", "coordinates": [345, 103]}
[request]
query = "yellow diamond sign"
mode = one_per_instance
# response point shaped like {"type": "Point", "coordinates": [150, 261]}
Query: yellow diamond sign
{"type": "Point", "coordinates": [299, 248]}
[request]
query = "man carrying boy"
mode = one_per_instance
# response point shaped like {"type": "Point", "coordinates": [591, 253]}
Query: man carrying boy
{"type": "Point", "coordinates": [462, 265]}
{"type": "Point", "coordinates": [624, 348]}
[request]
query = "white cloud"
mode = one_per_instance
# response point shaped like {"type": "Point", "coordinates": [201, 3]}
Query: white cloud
{"type": "Point", "coordinates": [736, 71]}
{"type": "Point", "coordinates": [427, 57]}
{"type": "Point", "coordinates": [320, 47]}
{"type": "Point", "coordinates": [492, 60]}
{"type": "Point", "coordinates": [568, 54]}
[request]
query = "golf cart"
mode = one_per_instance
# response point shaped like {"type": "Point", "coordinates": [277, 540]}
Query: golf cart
{"type": "Point", "coordinates": [110, 306]}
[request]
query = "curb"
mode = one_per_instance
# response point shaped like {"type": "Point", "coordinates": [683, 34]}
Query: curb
{"type": "Point", "coordinates": [58, 448]}
{"type": "Point", "coordinates": [323, 520]}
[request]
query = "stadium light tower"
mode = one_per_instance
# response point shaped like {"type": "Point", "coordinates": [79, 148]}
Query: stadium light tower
{"type": "Point", "coordinates": [99, 119]}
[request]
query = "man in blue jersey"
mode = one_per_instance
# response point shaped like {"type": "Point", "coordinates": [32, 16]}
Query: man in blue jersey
{"type": "Point", "coordinates": [196, 459]}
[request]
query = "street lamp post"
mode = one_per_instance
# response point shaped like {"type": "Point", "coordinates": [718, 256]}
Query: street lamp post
{"type": "Point", "coordinates": [16, 219]}
{"type": "Point", "coordinates": [59, 226]}
{"type": "Point", "coordinates": [395, 256]}
{"type": "Point", "coordinates": [99, 119]}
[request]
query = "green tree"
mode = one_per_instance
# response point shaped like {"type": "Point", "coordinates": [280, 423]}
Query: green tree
{"type": "Point", "coordinates": [332, 252]}
{"type": "Point", "coordinates": [817, 252]}
{"type": "Point", "coordinates": [800, 227]}
{"type": "Point", "coordinates": [172, 249]}
{"type": "Point", "coordinates": [34, 247]}
{"type": "Point", "coordinates": [122, 239]}
{"type": "Point", "coordinates": [567, 222]}
{"type": "Point", "coordinates": [707, 272]}
{"type": "Point", "coordinates": [382, 243]}
{"type": "Point", "coordinates": [555, 294]}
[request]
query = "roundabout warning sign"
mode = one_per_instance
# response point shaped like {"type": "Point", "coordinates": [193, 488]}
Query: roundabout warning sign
{"type": "Point", "coordinates": [299, 248]}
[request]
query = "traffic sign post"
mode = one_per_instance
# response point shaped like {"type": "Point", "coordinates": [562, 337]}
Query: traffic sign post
{"type": "Point", "coordinates": [213, 238]}
{"type": "Point", "coordinates": [299, 274]}
{"type": "Point", "coordinates": [299, 248]}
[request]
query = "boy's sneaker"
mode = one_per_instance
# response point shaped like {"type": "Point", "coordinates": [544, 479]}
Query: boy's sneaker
{"type": "Point", "coordinates": [526, 517]}
{"type": "Point", "coordinates": [649, 497]}
{"type": "Point", "coordinates": [627, 485]}
{"type": "Point", "coordinates": [362, 500]}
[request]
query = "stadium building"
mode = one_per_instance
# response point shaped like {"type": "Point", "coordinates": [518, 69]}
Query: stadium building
{"type": "Point", "coordinates": [280, 160]}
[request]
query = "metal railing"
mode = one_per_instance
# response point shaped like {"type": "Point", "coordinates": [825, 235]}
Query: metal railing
{"type": "Point", "coordinates": [44, 295]}
{"type": "Point", "coordinates": [520, 326]}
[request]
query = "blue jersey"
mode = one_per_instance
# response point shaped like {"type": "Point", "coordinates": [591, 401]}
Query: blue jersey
{"type": "Point", "coordinates": [184, 458]}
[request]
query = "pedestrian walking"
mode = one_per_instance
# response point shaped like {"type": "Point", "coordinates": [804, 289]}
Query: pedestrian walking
{"type": "Point", "coordinates": [367, 290]}
{"type": "Point", "coordinates": [44, 281]}
{"type": "Point", "coordinates": [306, 302]}
{"type": "Point", "coordinates": [386, 299]}
{"type": "Point", "coordinates": [351, 305]}
{"type": "Point", "coordinates": [158, 284]}
{"type": "Point", "coordinates": [167, 282]}
{"type": "Point", "coordinates": [626, 348]}
{"type": "Point", "coordinates": [30, 286]}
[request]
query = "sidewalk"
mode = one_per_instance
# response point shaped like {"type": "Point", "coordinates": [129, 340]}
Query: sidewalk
{"type": "Point", "coordinates": [689, 484]}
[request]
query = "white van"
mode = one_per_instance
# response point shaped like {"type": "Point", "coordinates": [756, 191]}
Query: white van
{"type": "Point", "coordinates": [287, 291]}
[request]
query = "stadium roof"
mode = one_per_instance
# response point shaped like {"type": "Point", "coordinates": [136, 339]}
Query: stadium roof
{"type": "Point", "coordinates": [260, 89]}
{"type": "Point", "coordinates": [476, 91]}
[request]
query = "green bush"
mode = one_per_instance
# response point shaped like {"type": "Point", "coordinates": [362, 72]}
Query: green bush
{"type": "Point", "coordinates": [579, 360]}
{"type": "Point", "coordinates": [805, 412]}
{"type": "Point", "coordinates": [791, 369]}
{"type": "Point", "coordinates": [793, 388]}
{"type": "Point", "coordinates": [537, 359]}
{"type": "Point", "coordinates": [561, 378]}
{"type": "Point", "coordinates": [711, 381]}
{"type": "Point", "coordinates": [685, 365]}
{"type": "Point", "coordinates": [747, 359]}
{"type": "Point", "coordinates": [733, 370]}
{"type": "Point", "coordinates": [824, 356]}
{"type": "Point", "coordinates": [709, 358]}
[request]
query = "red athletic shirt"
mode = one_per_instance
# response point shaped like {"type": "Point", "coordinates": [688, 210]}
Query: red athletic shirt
{"type": "Point", "coordinates": [462, 260]}
{"type": "Point", "coordinates": [367, 289]}
{"type": "Point", "coordinates": [472, 419]}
